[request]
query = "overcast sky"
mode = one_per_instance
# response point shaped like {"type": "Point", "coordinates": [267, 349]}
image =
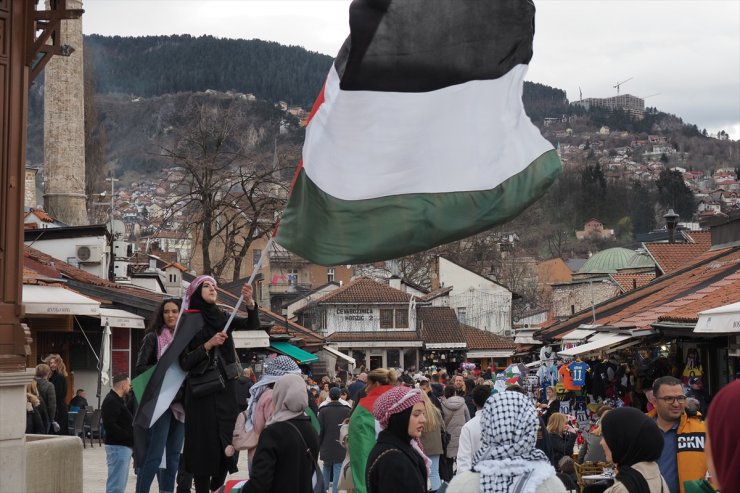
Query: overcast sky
{"type": "Point", "coordinates": [684, 53]}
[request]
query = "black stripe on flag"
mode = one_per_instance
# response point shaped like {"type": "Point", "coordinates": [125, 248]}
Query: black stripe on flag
{"type": "Point", "coordinates": [424, 45]}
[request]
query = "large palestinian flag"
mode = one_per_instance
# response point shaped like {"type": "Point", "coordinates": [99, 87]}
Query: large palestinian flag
{"type": "Point", "coordinates": [363, 431]}
{"type": "Point", "coordinates": [419, 135]}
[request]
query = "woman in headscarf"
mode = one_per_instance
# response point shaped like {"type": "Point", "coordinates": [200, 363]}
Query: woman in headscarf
{"type": "Point", "coordinates": [281, 462]}
{"type": "Point", "coordinates": [397, 461]}
{"type": "Point", "coordinates": [261, 407]}
{"type": "Point", "coordinates": [633, 442]}
{"type": "Point", "coordinates": [168, 433]}
{"type": "Point", "coordinates": [210, 418]}
{"type": "Point", "coordinates": [507, 460]}
{"type": "Point", "coordinates": [361, 434]}
{"type": "Point", "coordinates": [723, 453]}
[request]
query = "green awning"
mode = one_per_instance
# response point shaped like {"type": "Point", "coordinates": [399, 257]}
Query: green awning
{"type": "Point", "coordinates": [294, 352]}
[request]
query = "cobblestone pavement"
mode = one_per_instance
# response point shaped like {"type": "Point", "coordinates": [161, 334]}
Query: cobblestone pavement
{"type": "Point", "coordinates": [95, 471]}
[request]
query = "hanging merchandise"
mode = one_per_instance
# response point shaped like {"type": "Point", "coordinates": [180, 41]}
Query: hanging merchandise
{"type": "Point", "coordinates": [693, 366]}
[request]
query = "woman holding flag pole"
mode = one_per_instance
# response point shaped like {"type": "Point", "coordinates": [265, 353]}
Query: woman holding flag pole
{"type": "Point", "coordinates": [210, 389]}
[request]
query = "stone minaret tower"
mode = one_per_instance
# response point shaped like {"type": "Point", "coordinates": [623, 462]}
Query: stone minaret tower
{"type": "Point", "coordinates": [64, 129]}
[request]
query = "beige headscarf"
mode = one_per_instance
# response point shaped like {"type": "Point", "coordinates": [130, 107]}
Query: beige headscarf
{"type": "Point", "coordinates": [289, 397]}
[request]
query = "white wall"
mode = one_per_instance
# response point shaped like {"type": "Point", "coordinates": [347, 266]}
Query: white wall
{"type": "Point", "coordinates": [487, 304]}
{"type": "Point", "coordinates": [361, 318]}
{"type": "Point", "coordinates": [65, 250]}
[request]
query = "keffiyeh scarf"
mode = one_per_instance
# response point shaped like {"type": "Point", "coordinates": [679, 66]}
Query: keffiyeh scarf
{"type": "Point", "coordinates": [274, 369]}
{"type": "Point", "coordinates": [394, 401]}
{"type": "Point", "coordinates": [507, 460]}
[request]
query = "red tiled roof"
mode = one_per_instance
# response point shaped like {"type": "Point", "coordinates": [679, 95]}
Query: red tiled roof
{"type": "Point", "coordinates": [43, 216]}
{"type": "Point", "coordinates": [698, 287]}
{"type": "Point", "coordinates": [715, 295]}
{"type": "Point", "coordinates": [628, 282]}
{"type": "Point", "coordinates": [439, 325]}
{"type": "Point", "coordinates": [365, 291]}
{"type": "Point", "coordinates": [379, 335]}
{"type": "Point", "coordinates": [671, 257]}
{"type": "Point", "coordinates": [482, 339]}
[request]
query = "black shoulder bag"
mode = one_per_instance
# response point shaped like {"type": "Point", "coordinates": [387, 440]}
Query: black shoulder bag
{"type": "Point", "coordinates": [209, 382]}
{"type": "Point", "coordinates": [317, 480]}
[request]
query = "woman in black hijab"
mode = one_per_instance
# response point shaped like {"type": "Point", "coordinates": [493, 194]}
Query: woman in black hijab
{"type": "Point", "coordinates": [633, 442]}
{"type": "Point", "coordinates": [210, 417]}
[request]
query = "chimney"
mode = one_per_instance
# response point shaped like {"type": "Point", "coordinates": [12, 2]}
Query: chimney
{"type": "Point", "coordinates": [395, 282]}
{"type": "Point", "coordinates": [30, 198]}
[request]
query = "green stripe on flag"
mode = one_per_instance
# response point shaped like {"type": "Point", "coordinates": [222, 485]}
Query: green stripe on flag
{"type": "Point", "coordinates": [139, 383]}
{"type": "Point", "coordinates": [331, 231]}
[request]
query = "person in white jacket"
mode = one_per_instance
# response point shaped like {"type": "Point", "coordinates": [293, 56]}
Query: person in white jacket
{"type": "Point", "coordinates": [507, 459]}
{"type": "Point", "coordinates": [470, 433]}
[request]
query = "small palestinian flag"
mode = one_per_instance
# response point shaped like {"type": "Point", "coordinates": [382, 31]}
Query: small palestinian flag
{"type": "Point", "coordinates": [419, 135]}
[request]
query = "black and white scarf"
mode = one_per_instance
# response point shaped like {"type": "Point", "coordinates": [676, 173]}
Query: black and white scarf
{"type": "Point", "coordinates": [507, 459]}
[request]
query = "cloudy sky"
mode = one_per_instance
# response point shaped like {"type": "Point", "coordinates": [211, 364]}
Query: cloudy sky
{"type": "Point", "coordinates": [683, 55]}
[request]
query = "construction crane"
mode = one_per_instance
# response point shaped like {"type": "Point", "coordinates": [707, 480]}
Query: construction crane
{"type": "Point", "coordinates": [620, 83]}
{"type": "Point", "coordinates": [656, 94]}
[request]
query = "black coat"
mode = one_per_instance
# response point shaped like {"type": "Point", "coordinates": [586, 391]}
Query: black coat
{"type": "Point", "coordinates": [147, 356]}
{"type": "Point", "coordinates": [34, 423]}
{"type": "Point", "coordinates": [330, 417]}
{"type": "Point", "coordinates": [560, 446]}
{"type": "Point", "coordinates": [243, 384]}
{"type": "Point", "coordinates": [60, 391]}
{"type": "Point", "coordinates": [393, 465]}
{"type": "Point", "coordinates": [210, 419]}
{"type": "Point", "coordinates": [280, 462]}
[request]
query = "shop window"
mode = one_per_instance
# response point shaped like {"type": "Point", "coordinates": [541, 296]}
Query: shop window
{"type": "Point", "coordinates": [409, 358]}
{"type": "Point", "coordinates": [386, 318]}
{"type": "Point", "coordinates": [402, 319]}
{"type": "Point", "coordinates": [393, 357]}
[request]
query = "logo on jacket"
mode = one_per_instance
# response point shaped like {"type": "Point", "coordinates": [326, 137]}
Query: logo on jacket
{"type": "Point", "coordinates": [691, 442]}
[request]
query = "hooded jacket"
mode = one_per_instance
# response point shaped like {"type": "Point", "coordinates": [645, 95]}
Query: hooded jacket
{"type": "Point", "coordinates": [690, 458]}
{"type": "Point", "coordinates": [455, 414]}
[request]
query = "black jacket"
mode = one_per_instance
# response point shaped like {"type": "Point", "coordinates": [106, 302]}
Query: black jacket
{"type": "Point", "coordinates": [330, 417]}
{"type": "Point", "coordinates": [280, 461]}
{"type": "Point", "coordinates": [209, 422]}
{"type": "Point", "coordinates": [561, 445]}
{"type": "Point", "coordinates": [393, 465]}
{"type": "Point", "coordinates": [147, 353]}
{"type": "Point", "coordinates": [118, 421]}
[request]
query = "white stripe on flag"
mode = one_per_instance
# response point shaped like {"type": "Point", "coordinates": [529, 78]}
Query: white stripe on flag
{"type": "Point", "coordinates": [369, 144]}
{"type": "Point", "coordinates": [173, 378]}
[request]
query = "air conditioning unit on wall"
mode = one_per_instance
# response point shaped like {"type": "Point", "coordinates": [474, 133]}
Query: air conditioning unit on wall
{"type": "Point", "coordinates": [89, 254]}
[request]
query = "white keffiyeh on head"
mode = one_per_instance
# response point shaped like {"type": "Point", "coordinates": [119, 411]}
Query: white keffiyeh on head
{"type": "Point", "coordinates": [274, 369]}
{"type": "Point", "coordinates": [507, 460]}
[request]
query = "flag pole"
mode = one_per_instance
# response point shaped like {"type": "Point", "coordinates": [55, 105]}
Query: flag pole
{"type": "Point", "coordinates": [256, 269]}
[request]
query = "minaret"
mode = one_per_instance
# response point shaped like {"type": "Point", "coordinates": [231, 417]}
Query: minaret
{"type": "Point", "coordinates": [64, 129]}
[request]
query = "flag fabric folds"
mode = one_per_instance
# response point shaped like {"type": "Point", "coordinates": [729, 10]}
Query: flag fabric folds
{"type": "Point", "coordinates": [161, 382]}
{"type": "Point", "coordinates": [419, 135]}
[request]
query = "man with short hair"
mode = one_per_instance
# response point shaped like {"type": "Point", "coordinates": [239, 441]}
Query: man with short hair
{"type": "Point", "coordinates": [356, 386]}
{"type": "Point", "coordinates": [696, 391]}
{"type": "Point", "coordinates": [79, 400]}
{"type": "Point", "coordinates": [331, 416]}
{"type": "Point", "coordinates": [119, 434]}
{"type": "Point", "coordinates": [470, 433]}
{"type": "Point", "coordinates": [683, 457]}
{"type": "Point", "coordinates": [458, 382]}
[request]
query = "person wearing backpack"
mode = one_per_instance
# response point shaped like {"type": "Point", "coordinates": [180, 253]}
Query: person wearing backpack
{"type": "Point", "coordinates": [288, 447]}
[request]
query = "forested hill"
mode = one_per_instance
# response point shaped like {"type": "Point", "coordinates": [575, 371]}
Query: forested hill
{"type": "Point", "coordinates": [157, 65]}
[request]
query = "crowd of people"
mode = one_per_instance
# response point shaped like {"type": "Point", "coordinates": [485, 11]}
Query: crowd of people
{"type": "Point", "coordinates": [383, 430]}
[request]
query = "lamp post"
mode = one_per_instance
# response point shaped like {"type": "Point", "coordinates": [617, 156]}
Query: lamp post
{"type": "Point", "coordinates": [671, 220]}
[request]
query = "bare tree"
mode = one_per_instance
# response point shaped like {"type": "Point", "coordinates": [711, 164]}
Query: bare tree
{"type": "Point", "coordinates": [230, 191]}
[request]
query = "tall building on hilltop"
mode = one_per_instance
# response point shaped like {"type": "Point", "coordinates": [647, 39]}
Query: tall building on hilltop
{"type": "Point", "coordinates": [626, 102]}
{"type": "Point", "coordinates": [64, 128]}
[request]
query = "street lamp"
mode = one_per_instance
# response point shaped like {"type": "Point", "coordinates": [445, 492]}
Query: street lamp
{"type": "Point", "coordinates": [671, 220]}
